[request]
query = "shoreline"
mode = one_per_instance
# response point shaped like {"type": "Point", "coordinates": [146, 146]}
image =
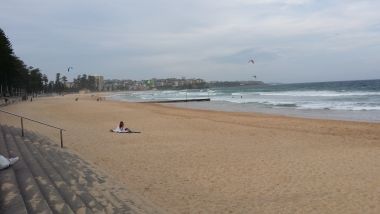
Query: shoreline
{"type": "Point", "coordinates": [372, 116]}
{"type": "Point", "coordinates": [322, 114]}
{"type": "Point", "coordinates": [191, 160]}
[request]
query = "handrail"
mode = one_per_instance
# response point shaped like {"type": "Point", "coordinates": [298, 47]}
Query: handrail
{"type": "Point", "coordinates": [31, 120]}
{"type": "Point", "coordinates": [22, 124]}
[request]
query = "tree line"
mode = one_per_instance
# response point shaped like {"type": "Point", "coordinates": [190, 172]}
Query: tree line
{"type": "Point", "coordinates": [15, 76]}
{"type": "Point", "coordinates": [83, 81]}
{"type": "Point", "coordinates": [18, 79]}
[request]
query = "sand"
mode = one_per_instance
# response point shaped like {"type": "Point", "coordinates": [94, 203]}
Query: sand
{"type": "Point", "coordinates": [197, 161]}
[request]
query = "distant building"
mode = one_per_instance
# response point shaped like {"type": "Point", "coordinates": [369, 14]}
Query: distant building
{"type": "Point", "coordinates": [99, 83]}
{"type": "Point", "coordinates": [154, 84]}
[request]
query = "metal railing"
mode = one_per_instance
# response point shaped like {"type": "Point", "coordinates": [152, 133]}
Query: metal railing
{"type": "Point", "coordinates": [22, 124]}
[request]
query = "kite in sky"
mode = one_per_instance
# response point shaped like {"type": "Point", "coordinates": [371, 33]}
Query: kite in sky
{"type": "Point", "coordinates": [253, 62]}
{"type": "Point", "coordinates": [69, 68]}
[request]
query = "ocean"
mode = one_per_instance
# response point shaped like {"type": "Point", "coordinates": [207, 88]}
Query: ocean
{"type": "Point", "coordinates": [342, 100]}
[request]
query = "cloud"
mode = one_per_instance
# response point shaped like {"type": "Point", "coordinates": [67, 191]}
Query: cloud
{"type": "Point", "coordinates": [286, 2]}
{"type": "Point", "coordinates": [189, 37]}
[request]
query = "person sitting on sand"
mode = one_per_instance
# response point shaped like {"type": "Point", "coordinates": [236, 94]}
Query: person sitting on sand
{"type": "Point", "coordinates": [121, 128]}
{"type": "Point", "coordinates": [5, 162]}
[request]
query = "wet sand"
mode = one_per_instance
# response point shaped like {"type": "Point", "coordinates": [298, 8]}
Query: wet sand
{"type": "Point", "coordinates": [199, 161]}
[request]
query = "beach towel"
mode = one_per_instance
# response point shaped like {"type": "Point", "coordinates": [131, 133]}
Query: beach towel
{"type": "Point", "coordinates": [117, 130]}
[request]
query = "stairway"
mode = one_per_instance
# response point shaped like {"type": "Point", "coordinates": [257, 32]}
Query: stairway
{"type": "Point", "coordinates": [48, 179]}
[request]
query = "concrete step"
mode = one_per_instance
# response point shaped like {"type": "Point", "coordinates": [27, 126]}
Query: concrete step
{"type": "Point", "coordinates": [92, 182]}
{"type": "Point", "coordinates": [32, 196]}
{"type": "Point", "coordinates": [73, 200]}
{"type": "Point", "coordinates": [83, 171]}
{"type": "Point", "coordinates": [89, 200]}
{"type": "Point", "coordinates": [52, 152]}
{"type": "Point", "coordinates": [48, 179]}
{"type": "Point", "coordinates": [88, 176]}
{"type": "Point", "coordinates": [11, 200]}
{"type": "Point", "coordinates": [51, 194]}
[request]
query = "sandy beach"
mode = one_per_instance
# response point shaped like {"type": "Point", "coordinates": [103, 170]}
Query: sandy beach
{"type": "Point", "coordinates": [198, 161]}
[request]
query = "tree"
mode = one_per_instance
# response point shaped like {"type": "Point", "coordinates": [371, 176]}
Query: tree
{"type": "Point", "coordinates": [45, 81]}
{"type": "Point", "coordinates": [83, 82]}
{"type": "Point", "coordinates": [14, 74]}
{"type": "Point", "coordinates": [35, 77]}
{"type": "Point", "coordinates": [51, 86]}
{"type": "Point", "coordinates": [64, 80]}
{"type": "Point", "coordinates": [58, 85]}
{"type": "Point", "coordinates": [6, 65]}
{"type": "Point", "coordinates": [91, 83]}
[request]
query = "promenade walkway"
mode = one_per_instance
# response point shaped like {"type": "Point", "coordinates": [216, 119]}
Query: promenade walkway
{"type": "Point", "coordinates": [48, 179]}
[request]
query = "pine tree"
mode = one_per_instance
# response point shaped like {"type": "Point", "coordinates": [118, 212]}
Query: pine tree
{"type": "Point", "coordinates": [14, 74]}
{"type": "Point", "coordinates": [6, 55]}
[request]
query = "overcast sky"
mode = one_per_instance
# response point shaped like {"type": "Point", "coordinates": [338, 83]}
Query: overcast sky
{"type": "Point", "coordinates": [290, 40]}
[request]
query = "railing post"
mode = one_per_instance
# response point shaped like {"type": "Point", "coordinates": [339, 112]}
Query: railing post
{"type": "Point", "coordinates": [22, 124]}
{"type": "Point", "coordinates": [60, 131]}
{"type": "Point", "coordinates": [22, 128]}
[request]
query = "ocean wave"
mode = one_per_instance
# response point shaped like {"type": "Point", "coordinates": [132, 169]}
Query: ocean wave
{"type": "Point", "coordinates": [311, 99]}
{"type": "Point", "coordinates": [197, 94]}
{"type": "Point", "coordinates": [348, 106]}
{"type": "Point", "coordinates": [303, 105]}
{"type": "Point", "coordinates": [319, 93]}
{"type": "Point", "coordinates": [244, 94]}
{"type": "Point", "coordinates": [221, 95]}
{"type": "Point", "coordinates": [251, 100]}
